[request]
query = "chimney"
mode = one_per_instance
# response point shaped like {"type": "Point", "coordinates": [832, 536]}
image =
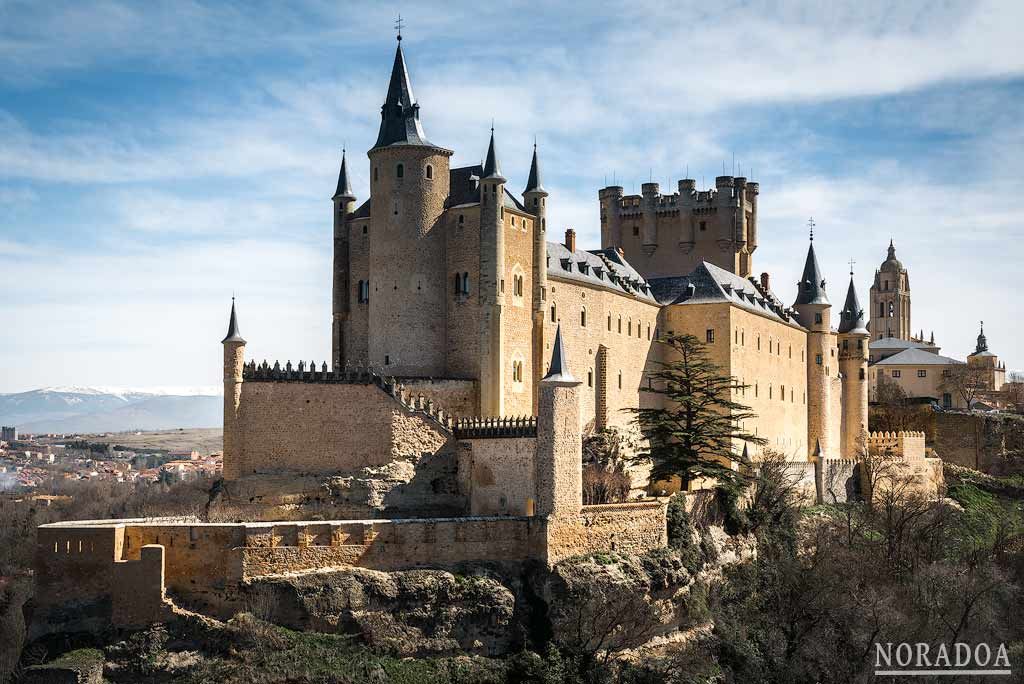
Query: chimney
{"type": "Point", "coordinates": [570, 239]}
{"type": "Point", "coordinates": [764, 282]}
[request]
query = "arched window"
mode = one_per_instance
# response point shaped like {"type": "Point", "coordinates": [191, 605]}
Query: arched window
{"type": "Point", "coordinates": [517, 371]}
{"type": "Point", "coordinates": [554, 314]}
{"type": "Point", "coordinates": [629, 327]}
{"type": "Point", "coordinates": [648, 331]}
{"type": "Point", "coordinates": [458, 283]}
{"type": "Point", "coordinates": [400, 171]}
{"type": "Point", "coordinates": [590, 378]}
{"type": "Point", "coordinates": [620, 379]}
{"type": "Point", "coordinates": [890, 310]}
{"type": "Point", "coordinates": [620, 325]}
{"type": "Point", "coordinates": [462, 219]}
{"type": "Point", "coordinates": [374, 173]}
{"type": "Point", "coordinates": [429, 172]}
{"type": "Point", "coordinates": [465, 283]}
{"type": "Point", "coordinates": [609, 322]}
{"type": "Point", "coordinates": [583, 317]}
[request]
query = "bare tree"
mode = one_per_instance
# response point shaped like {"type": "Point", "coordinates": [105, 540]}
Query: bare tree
{"type": "Point", "coordinates": [964, 380]}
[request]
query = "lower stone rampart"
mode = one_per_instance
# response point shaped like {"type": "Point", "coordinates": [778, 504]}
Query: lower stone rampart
{"type": "Point", "coordinates": [95, 573]}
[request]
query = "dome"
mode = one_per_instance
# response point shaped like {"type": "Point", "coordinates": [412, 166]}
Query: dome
{"type": "Point", "coordinates": [891, 263]}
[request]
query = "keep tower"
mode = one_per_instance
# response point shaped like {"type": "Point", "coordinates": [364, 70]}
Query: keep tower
{"type": "Point", "coordinates": [409, 183]}
{"type": "Point", "coordinates": [890, 299]}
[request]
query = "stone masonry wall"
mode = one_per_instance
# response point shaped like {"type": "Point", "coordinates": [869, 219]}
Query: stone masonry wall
{"type": "Point", "coordinates": [324, 428]}
{"type": "Point", "coordinates": [498, 475]}
{"type": "Point", "coordinates": [624, 528]}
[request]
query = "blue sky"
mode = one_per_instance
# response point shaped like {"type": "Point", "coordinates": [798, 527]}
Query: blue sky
{"type": "Point", "coordinates": [157, 156]}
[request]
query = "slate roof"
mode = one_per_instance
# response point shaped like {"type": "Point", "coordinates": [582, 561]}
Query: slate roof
{"type": "Point", "coordinates": [533, 183]}
{"type": "Point", "coordinates": [233, 334]}
{"type": "Point", "coordinates": [604, 268]}
{"type": "Point", "coordinates": [558, 372]}
{"type": "Point", "coordinates": [852, 318]}
{"type": "Point", "coordinates": [811, 288]}
{"type": "Point", "coordinates": [361, 212]}
{"type": "Point", "coordinates": [344, 190]}
{"type": "Point", "coordinates": [917, 357]}
{"type": "Point", "coordinates": [492, 168]}
{"type": "Point", "coordinates": [400, 114]}
{"type": "Point", "coordinates": [464, 188]}
{"type": "Point", "coordinates": [711, 284]}
{"type": "Point", "coordinates": [896, 343]}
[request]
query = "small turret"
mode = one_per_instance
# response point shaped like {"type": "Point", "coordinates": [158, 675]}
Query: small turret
{"type": "Point", "coordinates": [852, 318]}
{"type": "Point", "coordinates": [234, 363]}
{"type": "Point", "coordinates": [558, 469]}
{"type": "Point", "coordinates": [853, 367]}
{"type": "Point", "coordinates": [812, 303]}
{"type": "Point", "coordinates": [344, 203]}
{"type": "Point", "coordinates": [492, 266]}
{"type": "Point", "coordinates": [535, 198]}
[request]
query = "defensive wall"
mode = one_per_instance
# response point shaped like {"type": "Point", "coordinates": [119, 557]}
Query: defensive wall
{"type": "Point", "coordinates": [95, 573]}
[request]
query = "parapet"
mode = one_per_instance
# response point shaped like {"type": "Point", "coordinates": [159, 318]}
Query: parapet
{"type": "Point", "coordinates": [491, 428]}
{"type": "Point", "coordinates": [359, 375]}
{"type": "Point", "coordinates": [908, 445]}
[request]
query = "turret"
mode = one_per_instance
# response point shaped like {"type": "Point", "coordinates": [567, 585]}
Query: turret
{"type": "Point", "coordinates": [409, 182]}
{"type": "Point", "coordinates": [234, 360]}
{"type": "Point", "coordinates": [558, 465]}
{"type": "Point", "coordinates": [344, 202]}
{"type": "Point", "coordinates": [535, 200]}
{"type": "Point", "coordinates": [853, 364]}
{"type": "Point", "coordinates": [813, 313]}
{"type": "Point", "coordinates": [611, 223]}
{"type": "Point", "coordinates": [492, 275]}
{"type": "Point", "coordinates": [651, 192]}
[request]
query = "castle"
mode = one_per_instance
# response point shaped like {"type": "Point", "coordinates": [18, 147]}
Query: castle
{"type": "Point", "coordinates": [470, 357]}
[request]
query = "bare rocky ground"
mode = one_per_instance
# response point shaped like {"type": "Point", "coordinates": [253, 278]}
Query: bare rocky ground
{"type": "Point", "coordinates": [203, 440]}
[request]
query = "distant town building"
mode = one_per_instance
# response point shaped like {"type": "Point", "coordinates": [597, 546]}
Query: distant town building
{"type": "Point", "coordinates": [8, 434]}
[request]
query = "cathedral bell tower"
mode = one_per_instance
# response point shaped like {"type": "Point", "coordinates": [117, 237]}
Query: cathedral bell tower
{"type": "Point", "coordinates": [890, 299]}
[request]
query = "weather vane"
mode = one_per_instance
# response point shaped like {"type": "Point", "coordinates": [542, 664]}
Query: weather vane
{"type": "Point", "coordinates": [398, 25]}
{"type": "Point", "coordinates": [811, 224]}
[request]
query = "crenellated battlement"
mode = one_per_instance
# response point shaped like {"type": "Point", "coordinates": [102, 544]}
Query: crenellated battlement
{"type": "Point", "coordinates": [359, 375]}
{"type": "Point", "coordinates": [491, 428]}
{"type": "Point", "coordinates": [728, 190]}
{"type": "Point", "coordinates": [907, 445]}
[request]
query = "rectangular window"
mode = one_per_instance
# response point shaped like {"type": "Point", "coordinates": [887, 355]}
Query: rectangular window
{"type": "Point", "coordinates": [922, 373]}
{"type": "Point", "coordinates": [817, 318]}
{"type": "Point", "coordinates": [710, 335]}
{"type": "Point", "coordinates": [895, 374]}
{"type": "Point", "coordinates": [817, 359]}
{"type": "Point", "coordinates": [947, 400]}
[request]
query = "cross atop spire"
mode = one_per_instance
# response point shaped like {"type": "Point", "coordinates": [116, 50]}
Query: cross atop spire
{"type": "Point", "coordinates": [398, 26]}
{"type": "Point", "coordinates": [852, 262]}
{"type": "Point", "coordinates": [810, 225]}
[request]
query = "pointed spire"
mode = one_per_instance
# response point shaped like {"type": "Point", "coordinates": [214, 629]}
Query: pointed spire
{"type": "Point", "coordinates": [492, 169]}
{"type": "Point", "coordinates": [817, 449]}
{"type": "Point", "coordinates": [982, 345]}
{"type": "Point", "coordinates": [559, 370]}
{"type": "Point", "coordinates": [233, 334]}
{"type": "Point", "coordinates": [892, 250]}
{"type": "Point", "coordinates": [400, 114]}
{"type": "Point", "coordinates": [931, 340]}
{"type": "Point", "coordinates": [812, 285]}
{"type": "Point", "coordinates": [344, 190]}
{"type": "Point", "coordinates": [852, 318]}
{"type": "Point", "coordinates": [533, 183]}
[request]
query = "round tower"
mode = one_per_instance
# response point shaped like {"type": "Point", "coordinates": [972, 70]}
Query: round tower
{"type": "Point", "coordinates": [234, 360]}
{"type": "Point", "coordinates": [492, 289]}
{"type": "Point", "coordinates": [814, 313]}
{"type": "Point", "coordinates": [535, 200]}
{"type": "Point", "coordinates": [611, 224]}
{"type": "Point", "coordinates": [409, 184]}
{"type": "Point", "coordinates": [344, 203]}
{"type": "Point", "coordinates": [853, 364]}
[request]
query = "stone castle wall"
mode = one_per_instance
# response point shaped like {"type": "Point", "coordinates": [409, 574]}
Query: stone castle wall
{"type": "Point", "coordinates": [517, 314]}
{"type": "Point", "coordinates": [308, 427]}
{"type": "Point", "coordinates": [498, 475]}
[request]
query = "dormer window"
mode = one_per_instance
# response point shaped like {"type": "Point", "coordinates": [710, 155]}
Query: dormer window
{"type": "Point", "coordinates": [566, 264]}
{"type": "Point", "coordinates": [584, 267]}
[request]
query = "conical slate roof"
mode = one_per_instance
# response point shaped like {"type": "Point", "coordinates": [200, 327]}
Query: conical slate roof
{"type": "Point", "coordinates": [852, 318]}
{"type": "Point", "coordinates": [492, 169]}
{"type": "Point", "coordinates": [811, 288]}
{"type": "Point", "coordinates": [400, 115]}
{"type": "Point", "coordinates": [533, 183]}
{"type": "Point", "coordinates": [344, 190]}
{"type": "Point", "coordinates": [559, 370]}
{"type": "Point", "coordinates": [233, 334]}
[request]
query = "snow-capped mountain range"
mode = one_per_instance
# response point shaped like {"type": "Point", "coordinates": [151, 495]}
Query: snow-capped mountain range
{"type": "Point", "coordinates": [111, 409]}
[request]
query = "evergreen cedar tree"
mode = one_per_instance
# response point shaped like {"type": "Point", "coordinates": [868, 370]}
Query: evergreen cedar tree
{"type": "Point", "coordinates": [693, 436]}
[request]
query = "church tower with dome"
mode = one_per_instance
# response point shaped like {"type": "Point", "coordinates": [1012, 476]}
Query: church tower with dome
{"type": "Point", "coordinates": [890, 300]}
